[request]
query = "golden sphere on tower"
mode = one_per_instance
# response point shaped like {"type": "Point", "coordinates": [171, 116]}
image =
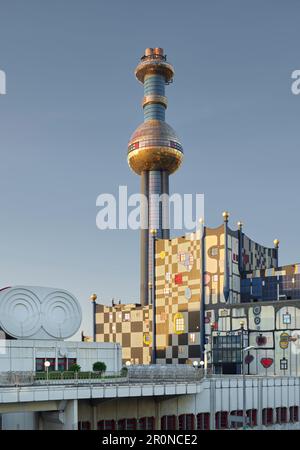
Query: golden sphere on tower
{"type": "Point", "coordinates": [93, 297]}
{"type": "Point", "coordinates": [154, 146]}
{"type": "Point", "coordinates": [153, 231]}
{"type": "Point", "coordinates": [276, 243]}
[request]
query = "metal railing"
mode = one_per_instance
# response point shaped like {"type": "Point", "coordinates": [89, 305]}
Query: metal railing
{"type": "Point", "coordinates": [170, 372]}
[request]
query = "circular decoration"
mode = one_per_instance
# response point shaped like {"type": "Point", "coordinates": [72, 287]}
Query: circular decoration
{"type": "Point", "coordinates": [257, 320]}
{"type": "Point", "coordinates": [20, 313]}
{"type": "Point", "coordinates": [162, 255]}
{"type": "Point", "coordinates": [266, 362]}
{"type": "Point", "coordinates": [61, 314]}
{"type": "Point", "coordinates": [256, 310]}
{"type": "Point", "coordinates": [284, 341]}
{"type": "Point", "coordinates": [188, 293]}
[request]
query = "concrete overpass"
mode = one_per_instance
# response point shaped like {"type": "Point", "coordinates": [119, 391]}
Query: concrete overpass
{"type": "Point", "coordinates": [64, 404]}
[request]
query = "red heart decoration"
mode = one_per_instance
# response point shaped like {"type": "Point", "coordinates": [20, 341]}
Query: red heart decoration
{"type": "Point", "coordinates": [266, 362]}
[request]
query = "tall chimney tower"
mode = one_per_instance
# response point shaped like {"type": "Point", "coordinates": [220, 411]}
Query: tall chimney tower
{"type": "Point", "coordinates": [154, 152]}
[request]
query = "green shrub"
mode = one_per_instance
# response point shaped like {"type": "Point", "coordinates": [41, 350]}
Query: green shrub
{"type": "Point", "coordinates": [99, 366]}
{"type": "Point", "coordinates": [74, 368]}
{"type": "Point", "coordinates": [124, 372]}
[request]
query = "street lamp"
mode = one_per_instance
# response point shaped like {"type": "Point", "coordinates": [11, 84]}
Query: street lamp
{"type": "Point", "coordinates": [47, 365]}
{"type": "Point", "coordinates": [244, 350]}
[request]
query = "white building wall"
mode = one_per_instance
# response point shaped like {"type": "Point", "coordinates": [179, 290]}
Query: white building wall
{"type": "Point", "coordinates": [20, 355]}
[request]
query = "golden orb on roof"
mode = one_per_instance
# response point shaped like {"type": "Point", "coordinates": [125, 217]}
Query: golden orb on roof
{"type": "Point", "coordinates": [93, 297]}
{"type": "Point", "coordinates": [225, 215]}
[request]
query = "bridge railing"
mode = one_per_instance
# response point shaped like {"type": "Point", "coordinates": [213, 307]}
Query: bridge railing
{"type": "Point", "coordinates": [169, 372]}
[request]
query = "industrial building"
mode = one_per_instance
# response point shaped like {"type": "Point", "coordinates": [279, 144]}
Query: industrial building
{"type": "Point", "coordinates": [209, 294]}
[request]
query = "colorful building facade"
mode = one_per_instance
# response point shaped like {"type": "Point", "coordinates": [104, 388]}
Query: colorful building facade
{"type": "Point", "coordinates": [216, 292]}
{"type": "Point", "coordinates": [210, 294]}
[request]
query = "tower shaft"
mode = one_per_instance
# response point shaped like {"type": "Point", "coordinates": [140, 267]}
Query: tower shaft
{"type": "Point", "coordinates": [154, 152]}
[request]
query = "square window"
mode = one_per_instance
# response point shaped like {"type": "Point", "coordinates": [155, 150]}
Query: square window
{"type": "Point", "coordinates": [192, 338]}
{"type": "Point", "coordinates": [286, 318]}
{"type": "Point", "coordinates": [181, 257]}
{"type": "Point", "coordinates": [283, 364]}
{"type": "Point", "coordinates": [215, 278]}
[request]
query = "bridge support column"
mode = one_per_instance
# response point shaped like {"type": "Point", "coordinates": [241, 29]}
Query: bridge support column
{"type": "Point", "coordinates": [157, 415]}
{"type": "Point", "coordinates": [71, 415]}
{"type": "Point", "coordinates": [40, 422]}
{"type": "Point", "coordinates": [94, 417]}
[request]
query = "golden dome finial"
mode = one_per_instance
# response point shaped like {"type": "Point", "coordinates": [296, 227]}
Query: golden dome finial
{"type": "Point", "coordinates": [93, 297]}
{"type": "Point", "coordinates": [153, 232]}
{"type": "Point", "coordinates": [225, 216]}
{"type": "Point", "coordinates": [240, 225]}
{"type": "Point", "coordinates": [276, 243]}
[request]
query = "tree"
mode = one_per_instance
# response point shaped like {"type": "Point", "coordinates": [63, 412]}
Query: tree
{"type": "Point", "coordinates": [99, 366]}
{"type": "Point", "coordinates": [74, 368]}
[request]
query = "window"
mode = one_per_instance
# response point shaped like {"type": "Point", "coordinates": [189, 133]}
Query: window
{"type": "Point", "coordinates": [221, 420]}
{"type": "Point", "coordinates": [84, 425]}
{"type": "Point", "coordinates": [203, 421]}
{"type": "Point", "coordinates": [127, 424]}
{"type": "Point", "coordinates": [286, 318]}
{"type": "Point", "coordinates": [147, 423]}
{"type": "Point", "coordinates": [214, 251]}
{"type": "Point", "coordinates": [106, 425]}
{"type": "Point", "coordinates": [186, 422]}
{"type": "Point", "coordinates": [40, 364]}
{"type": "Point", "coordinates": [178, 323]}
{"type": "Point", "coordinates": [182, 257]}
{"type": "Point", "coordinates": [167, 291]}
{"type": "Point", "coordinates": [70, 362]}
{"type": "Point", "coordinates": [267, 416]}
{"type": "Point", "coordinates": [233, 423]}
{"type": "Point", "coordinates": [294, 414]}
{"type": "Point", "coordinates": [215, 278]}
{"type": "Point", "coordinates": [127, 317]}
{"type": "Point", "coordinates": [252, 415]}
{"type": "Point", "coordinates": [192, 337]}
{"type": "Point", "coordinates": [283, 364]}
{"type": "Point", "coordinates": [168, 423]}
{"type": "Point", "coordinates": [281, 415]}
{"type": "Point", "coordinates": [62, 364]}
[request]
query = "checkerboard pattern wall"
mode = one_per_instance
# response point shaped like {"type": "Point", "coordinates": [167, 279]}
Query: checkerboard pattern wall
{"type": "Point", "coordinates": [129, 325]}
{"type": "Point", "coordinates": [179, 272]}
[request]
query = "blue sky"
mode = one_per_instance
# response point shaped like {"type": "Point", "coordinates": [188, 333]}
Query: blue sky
{"type": "Point", "coordinates": [72, 103]}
